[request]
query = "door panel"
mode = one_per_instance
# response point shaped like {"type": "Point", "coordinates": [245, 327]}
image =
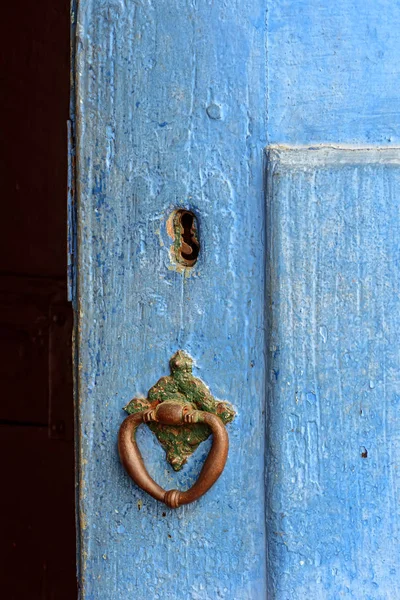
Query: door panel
{"type": "Point", "coordinates": [334, 394]}
{"type": "Point", "coordinates": [333, 71]}
{"type": "Point", "coordinates": [168, 116]}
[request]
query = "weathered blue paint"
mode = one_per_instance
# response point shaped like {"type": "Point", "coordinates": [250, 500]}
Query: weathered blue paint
{"type": "Point", "coordinates": [171, 112]}
{"type": "Point", "coordinates": [170, 102]}
{"type": "Point", "coordinates": [334, 395]}
{"type": "Point", "coordinates": [333, 442]}
{"type": "Point", "coordinates": [333, 71]}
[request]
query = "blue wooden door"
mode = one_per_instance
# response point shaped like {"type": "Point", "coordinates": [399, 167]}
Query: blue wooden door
{"type": "Point", "coordinates": [275, 124]}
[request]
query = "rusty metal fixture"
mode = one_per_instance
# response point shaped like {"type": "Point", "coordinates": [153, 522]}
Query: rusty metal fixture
{"type": "Point", "coordinates": [182, 413]}
{"type": "Point", "coordinates": [182, 227]}
{"type": "Point", "coordinates": [173, 413]}
{"type": "Point", "coordinates": [181, 386]}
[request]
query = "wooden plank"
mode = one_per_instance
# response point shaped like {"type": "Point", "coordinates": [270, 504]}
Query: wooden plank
{"type": "Point", "coordinates": [38, 533]}
{"type": "Point", "coordinates": [37, 503]}
{"type": "Point", "coordinates": [60, 385]}
{"type": "Point", "coordinates": [32, 153]}
{"type": "Point", "coordinates": [25, 335]}
{"type": "Point", "coordinates": [334, 419]}
{"type": "Point", "coordinates": [170, 113]}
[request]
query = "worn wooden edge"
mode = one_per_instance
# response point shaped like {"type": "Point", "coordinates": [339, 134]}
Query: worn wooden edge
{"type": "Point", "coordinates": [72, 202]}
{"type": "Point", "coordinates": [309, 157]}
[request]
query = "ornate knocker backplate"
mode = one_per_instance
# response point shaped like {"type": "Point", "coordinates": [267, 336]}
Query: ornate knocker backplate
{"type": "Point", "coordinates": [182, 413]}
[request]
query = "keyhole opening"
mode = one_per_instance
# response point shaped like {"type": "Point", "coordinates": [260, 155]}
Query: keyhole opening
{"type": "Point", "coordinates": [187, 246]}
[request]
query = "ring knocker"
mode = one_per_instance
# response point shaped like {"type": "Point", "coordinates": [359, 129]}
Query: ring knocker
{"type": "Point", "coordinates": [182, 413]}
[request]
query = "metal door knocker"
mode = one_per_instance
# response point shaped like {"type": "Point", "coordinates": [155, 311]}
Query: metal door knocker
{"type": "Point", "coordinates": [182, 413]}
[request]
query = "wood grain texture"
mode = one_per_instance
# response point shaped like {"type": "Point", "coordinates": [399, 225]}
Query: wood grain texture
{"type": "Point", "coordinates": [170, 100]}
{"type": "Point", "coordinates": [333, 71]}
{"type": "Point", "coordinates": [334, 395]}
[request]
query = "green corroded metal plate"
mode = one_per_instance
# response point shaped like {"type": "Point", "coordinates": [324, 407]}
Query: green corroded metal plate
{"type": "Point", "coordinates": [181, 386]}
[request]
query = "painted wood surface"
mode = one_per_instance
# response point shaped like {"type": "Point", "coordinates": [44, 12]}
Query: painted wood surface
{"type": "Point", "coordinates": [172, 111]}
{"type": "Point", "coordinates": [333, 224]}
{"type": "Point", "coordinates": [170, 100]}
{"type": "Point", "coordinates": [334, 395]}
{"type": "Point", "coordinates": [333, 71]}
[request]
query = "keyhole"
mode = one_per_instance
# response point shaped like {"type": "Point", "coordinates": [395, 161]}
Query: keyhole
{"type": "Point", "coordinates": [187, 246]}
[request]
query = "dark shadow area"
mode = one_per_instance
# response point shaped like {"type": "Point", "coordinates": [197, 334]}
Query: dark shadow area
{"type": "Point", "coordinates": [37, 558]}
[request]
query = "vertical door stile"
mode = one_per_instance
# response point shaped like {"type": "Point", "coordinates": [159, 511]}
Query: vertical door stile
{"type": "Point", "coordinates": [170, 100]}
